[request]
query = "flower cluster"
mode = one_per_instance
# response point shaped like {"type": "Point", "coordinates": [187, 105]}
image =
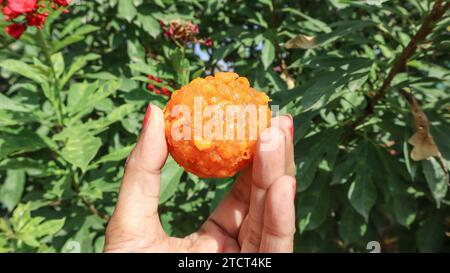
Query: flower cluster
{"type": "Point", "coordinates": [184, 32]}
{"type": "Point", "coordinates": [35, 13]}
{"type": "Point", "coordinates": [157, 91]}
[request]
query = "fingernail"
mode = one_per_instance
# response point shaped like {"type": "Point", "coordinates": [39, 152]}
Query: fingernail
{"type": "Point", "coordinates": [292, 125]}
{"type": "Point", "coordinates": [147, 116]}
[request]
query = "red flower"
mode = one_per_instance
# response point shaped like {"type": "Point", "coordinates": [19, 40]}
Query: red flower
{"type": "Point", "coordinates": [15, 30]}
{"type": "Point", "coordinates": [155, 79]}
{"type": "Point", "coordinates": [63, 3]}
{"type": "Point", "coordinates": [151, 87]}
{"type": "Point", "coordinates": [31, 10]}
{"type": "Point", "coordinates": [9, 13]}
{"type": "Point", "coordinates": [21, 6]}
{"type": "Point", "coordinates": [165, 91]}
{"type": "Point", "coordinates": [208, 42]}
{"type": "Point", "coordinates": [155, 90]}
{"type": "Point", "coordinates": [36, 19]}
{"type": "Point", "coordinates": [169, 32]}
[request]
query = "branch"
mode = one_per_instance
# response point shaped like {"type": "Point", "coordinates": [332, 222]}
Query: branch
{"type": "Point", "coordinates": [86, 203]}
{"type": "Point", "coordinates": [433, 17]}
{"type": "Point", "coordinates": [56, 86]}
{"type": "Point", "coordinates": [93, 209]}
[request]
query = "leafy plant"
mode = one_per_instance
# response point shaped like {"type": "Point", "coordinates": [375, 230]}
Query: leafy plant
{"type": "Point", "coordinates": [360, 78]}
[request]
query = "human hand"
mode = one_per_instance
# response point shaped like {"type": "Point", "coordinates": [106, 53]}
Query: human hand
{"type": "Point", "coordinates": [257, 215]}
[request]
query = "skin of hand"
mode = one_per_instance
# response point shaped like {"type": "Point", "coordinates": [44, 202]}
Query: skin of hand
{"type": "Point", "coordinates": [257, 215]}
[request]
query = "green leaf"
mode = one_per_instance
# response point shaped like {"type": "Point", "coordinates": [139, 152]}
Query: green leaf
{"type": "Point", "coordinates": [4, 227]}
{"type": "Point", "coordinates": [12, 189]}
{"type": "Point", "coordinates": [82, 240]}
{"type": "Point", "coordinates": [135, 51]}
{"type": "Point", "coordinates": [411, 167]}
{"type": "Point", "coordinates": [11, 105]}
{"type": "Point", "coordinates": [276, 80]}
{"type": "Point", "coordinates": [401, 203]}
{"type": "Point", "coordinates": [328, 86]}
{"type": "Point", "coordinates": [24, 70]}
{"type": "Point", "coordinates": [362, 192]}
{"type": "Point", "coordinates": [166, 219]}
{"type": "Point", "coordinates": [436, 179]}
{"type": "Point", "coordinates": [344, 169]}
{"type": "Point", "coordinates": [21, 216]}
{"type": "Point", "coordinates": [405, 209]}
{"type": "Point", "coordinates": [313, 205]}
{"type": "Point", "coordinates": [60, 44]}
{"type": "Point", "coordinates": [307, 170]}
{"type": "Point", "coordinates": [85, 29]}
{"type": "Point", "coordinates": [430, 236]}
{"type": "Point", "coordinates": [268, 53]}
{"type": "Point", "coordinates": [311, 152]}
{"type": "Point", "coordinates": [180, 65]}
{"type": "Point", "coordinates": [404, 204]}
{"type": "Point", "coordinates": [92, 192]}
{"type": "Point", "coordinates": [49, 227]}
{"type": "Point", "coordinates": [141, 79]}
{"type": "Point", "coordinates": [79, 94]}
{"type": "Point", "coordinates": [116, 155]}
{"type": "Point", "coordinates": [104, 75]}
{"type": "Point", "coordinates": [19, 142]}
{"type": "Point", "coordinates": [223, 187]}
{"type": "Point", "coordinates": [352, 226]}
{"type": "Point", "coordinates": [30, 229]}
{"type": "Point", "coordinates": [29, 239]}
{"type": "Point", "coordinates": [343, 29]}
{"type": "Point", "coordinates": [149, 24]}
{"type": "Point", "coordinates": [115, 115]}
{"type": "Point", "coordinates": [84, 97]}
{"type": "Point", "coordinates": [302, 123]}
{"type": "Point", "coordinates": [313, 23]}
{"type": "Point", "coordinates": [58, 63]}
{"type": "Point", "coordinates": [81, 148]}
{"type": "Point", "coordinates": [71, 26]}
{"type": "Point", "coordinates": [284, 97]}
{"type": "Point", "coordinates": [143, 68]}
{"type": "Point", "coordinates": [31, 166]}
{"type": "Point", "coordinates": [258, 19]}
{"type": "Point", "coordinates": [170, 177]}
{"type": "Point", "coordinates": [77, 64]}
{"type": "Point", "coordinates": [99, 244]}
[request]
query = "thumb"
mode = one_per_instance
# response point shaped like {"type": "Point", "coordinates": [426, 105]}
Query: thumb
{"type": "Point", "coordinates": [150, 152]}
{"type": "Point", "coordinates": [136, 211]}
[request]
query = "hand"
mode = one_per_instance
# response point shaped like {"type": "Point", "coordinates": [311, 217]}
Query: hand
{"type": "Point", "coordinates": [257, 215]}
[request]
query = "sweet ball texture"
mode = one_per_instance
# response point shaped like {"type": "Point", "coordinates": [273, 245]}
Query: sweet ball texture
{"type": "Point", "coordinates": [206, 134]}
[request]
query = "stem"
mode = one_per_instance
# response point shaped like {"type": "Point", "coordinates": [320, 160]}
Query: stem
{"type": "Point", "coordinates": [55, 86]}
{"type": "Point", "coordinates": [433, 17]}
{"type": "Point", "coordinates": [86, 203]}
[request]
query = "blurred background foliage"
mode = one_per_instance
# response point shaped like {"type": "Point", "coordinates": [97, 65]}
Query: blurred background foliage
{"type": "Point", "coordinates": [68, 122]}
